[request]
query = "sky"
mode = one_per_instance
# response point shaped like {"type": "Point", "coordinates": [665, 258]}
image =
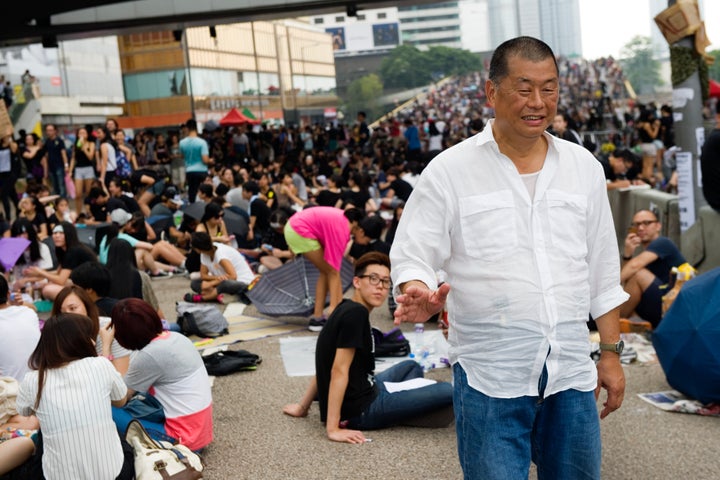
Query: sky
{"type": "Point", "coordinates": [607, 25]}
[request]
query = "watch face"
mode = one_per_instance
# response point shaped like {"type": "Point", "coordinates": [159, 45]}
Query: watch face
{"type": "Point", "coordinates": [620, 346]}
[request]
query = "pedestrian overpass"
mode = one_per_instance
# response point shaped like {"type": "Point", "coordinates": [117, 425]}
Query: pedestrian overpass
{"type": "Point", "coordinates": [50, 22]}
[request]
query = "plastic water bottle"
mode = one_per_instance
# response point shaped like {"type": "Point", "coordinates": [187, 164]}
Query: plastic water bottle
{"type": "Point", "coordinates": [422, 352]}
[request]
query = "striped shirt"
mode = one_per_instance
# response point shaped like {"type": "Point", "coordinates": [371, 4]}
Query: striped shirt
{"type": "Point", "coordinates": [80, 439]}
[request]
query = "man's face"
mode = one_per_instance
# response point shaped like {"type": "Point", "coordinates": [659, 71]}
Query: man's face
{"type": "Point", "coordinates": [559, 124]}
{"type": "Point", "coordinates": [372, 296]}
{"type": "Point", "coordinates": [647, 225]}
{"type": "Point", "coordinates": [617, 164]}
{"type": "Point", "coordinates": [525, 101]}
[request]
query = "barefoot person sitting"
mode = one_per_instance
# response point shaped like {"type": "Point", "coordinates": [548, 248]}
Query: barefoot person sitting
{"type": "Point", "coordinates": [351, 396]}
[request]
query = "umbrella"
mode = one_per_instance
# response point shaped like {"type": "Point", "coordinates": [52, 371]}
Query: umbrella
{"type": "Point", "coordinates": [687, 341]}
{"type": "Point", "coordinates": [10, 250]}
{"type": "Point", "coordinates": [290, 289]}
{"type": "Point", "coordinates": [211, 126]}
{"type": "Point", "coordinates": [235, 223]}
{"type": "Point", "coordinates": [714, 88]}
{"type": "Point", "coordinates": [195, 210]}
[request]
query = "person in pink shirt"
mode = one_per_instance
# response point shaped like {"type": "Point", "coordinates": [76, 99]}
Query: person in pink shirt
{"type": "Point", "coordinates": [322, 234]}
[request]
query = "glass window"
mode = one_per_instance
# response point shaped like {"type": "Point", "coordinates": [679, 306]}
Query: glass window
{"type": "Point", "coordinates": [146, 86]}
{"type": "Point", "coordinates": [319, 21]}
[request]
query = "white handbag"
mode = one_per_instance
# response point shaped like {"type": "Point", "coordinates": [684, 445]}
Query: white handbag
{"type": "Point", "coordinates": [160, 460]}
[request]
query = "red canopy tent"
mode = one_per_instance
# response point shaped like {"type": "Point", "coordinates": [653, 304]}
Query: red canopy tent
{"type": "Point", "coordinates": [235, 118]}
{"type": "Point", "coordinates": [714, 88]}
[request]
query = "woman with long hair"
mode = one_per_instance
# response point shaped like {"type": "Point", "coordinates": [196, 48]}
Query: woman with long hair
{"type": "Point", "coordinates": [70, 253]}
{"type": "Point", "coordinates": [74, 299]}
{"type": "Point", "coordinates": [106, 155]}
{"type": "Point", "coordinates": [70, 389]}
{"type": "Point", "coordinates": [168, 364]}
{"type": "Point", "coordinates": [37, 254]}
{"type": "Point", "coordinates": [128, 280]}
{"type": "Point", "coordinates": [34, 157]}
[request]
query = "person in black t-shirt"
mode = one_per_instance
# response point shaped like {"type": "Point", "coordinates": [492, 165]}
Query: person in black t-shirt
{"type": "Point", "coordinates": [70, 252]}
{"type": "Point", "coordinates": [710, 164]}
{"type": "Point", "coordinates": [101, 205]}
{"type": "Point", "coordinates": [350, 395]}
{"type": "Point", "coordinates": [95, 278]}
{"type": "Point", "coordinates": [398, 190]}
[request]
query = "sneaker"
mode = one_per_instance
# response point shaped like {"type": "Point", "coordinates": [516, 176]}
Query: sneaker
{"type": "Point", "coordinates": [316, 324]}
{"type": "Point", "coordinates": [179, 271]}
{"type": "Point", "coordinates": [193, 298]}
{"type": "Point", "coordinates": [160, 274]}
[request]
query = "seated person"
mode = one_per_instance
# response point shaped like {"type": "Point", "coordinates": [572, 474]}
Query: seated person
{"type": "Point", "coordinates": [273, 251]}
{"type": "Point", "coordinates": [95, 278]}
{"type": "Point", "coordinates": [74, 299]}
{"type": "Point", "coordinates": [70, 254]}
{"type": "Point", "coordinates": [66, 373]}
{"type": "Point", "coordinates": [367, 238]}
{"type": "Point", "coordinates": [396, 189]}
{"type": "Point", "coordinates": [351, 396]}
{"type": "Point", "coordinates": [621, 168]}
{"type": "Point", "coordinates": [20, 329]}
{"type": "Point", "coordinates": [168, 365]}
{"type": "Point", "coordinates": [223, 269]}
{"type": "Point", "coordinates": [646, 275]}
{"type": "Point", "coordinates": [101, 204]}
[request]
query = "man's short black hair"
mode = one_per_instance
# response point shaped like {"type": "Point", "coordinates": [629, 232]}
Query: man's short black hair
{"type": "Point", "coordinates": [252, 187]}
{"type": "Point", "coordinates": [370, 258]}
{"type": "Point", "coordinates": [206, 189]}
{"type": "Point", "coordinates": [93, 275]}
{"type": "Point", "coordinates": [528, 48]}
{"type": "Point", "coordinates": [96, 192]}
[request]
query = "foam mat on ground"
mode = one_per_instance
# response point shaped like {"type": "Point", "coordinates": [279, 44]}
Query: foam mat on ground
{"type": "Point", "coordinates": [243, 328]}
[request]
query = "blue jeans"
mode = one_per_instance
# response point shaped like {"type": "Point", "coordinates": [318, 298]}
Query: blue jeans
{"type": "Point", "coordinates": [390, 409]}
{"type": "Point", "coordinates": [498, 437]}
{"type": "Point", "coordinates": [57, 176]}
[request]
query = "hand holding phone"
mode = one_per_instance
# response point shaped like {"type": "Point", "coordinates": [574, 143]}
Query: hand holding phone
{"type": "Point", "coordinates": [267, 246]}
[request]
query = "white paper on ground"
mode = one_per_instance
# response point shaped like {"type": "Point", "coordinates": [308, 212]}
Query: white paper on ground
{"type": "Point", "coordinates": [411, 384]}
{"type": "Point", "coordinates": [298, 355]}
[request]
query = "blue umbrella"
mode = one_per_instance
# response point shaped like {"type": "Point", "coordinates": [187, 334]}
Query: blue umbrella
{"type": "Point", "coordinates": [687, 341]}
{"type": "Point", "coordinates": [10, 250]}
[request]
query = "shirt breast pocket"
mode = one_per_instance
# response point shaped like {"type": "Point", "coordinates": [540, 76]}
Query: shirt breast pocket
{"type": "Point", "coordinates": [567, 216]}
{"type": "Point", "coordinates": [488, 225]}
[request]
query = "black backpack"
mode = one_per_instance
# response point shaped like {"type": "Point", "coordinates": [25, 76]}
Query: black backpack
{"type": "Point", "coordinates": [230, 361]}
{"type": "Point", "coordinates": [390, 344]}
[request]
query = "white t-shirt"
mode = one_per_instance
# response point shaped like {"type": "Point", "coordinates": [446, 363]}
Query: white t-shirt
{"type": "Point", "coordinates": [242, 269]}
{"type": "Point", "coordinates": [20, 332]}
{"type": "Point", "coordinates": [81, 441]}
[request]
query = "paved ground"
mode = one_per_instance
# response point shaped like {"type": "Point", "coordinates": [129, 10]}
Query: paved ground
{"type": "Point", "coordinates": [254, 440]}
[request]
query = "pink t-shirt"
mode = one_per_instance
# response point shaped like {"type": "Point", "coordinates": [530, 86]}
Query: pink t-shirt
{"type": "Point", "coordinates": [327, 225]}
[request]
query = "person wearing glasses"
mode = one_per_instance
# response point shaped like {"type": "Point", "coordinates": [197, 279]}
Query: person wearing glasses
{"type": "Point", "coordinates": [350, 396]}
{"type": "Point", "coordinates": [646, 276]}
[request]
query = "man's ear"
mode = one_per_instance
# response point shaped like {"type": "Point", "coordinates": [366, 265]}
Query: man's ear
{"type": "Point", "coordinates": [356, 282]}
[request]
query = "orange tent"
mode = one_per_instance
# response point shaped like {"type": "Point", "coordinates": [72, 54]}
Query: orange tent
{"type": "Point", "coordinates": [235, 118]}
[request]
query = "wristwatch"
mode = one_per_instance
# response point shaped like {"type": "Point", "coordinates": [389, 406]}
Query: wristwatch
{"type": "Point", "coordinates": [613, 347]}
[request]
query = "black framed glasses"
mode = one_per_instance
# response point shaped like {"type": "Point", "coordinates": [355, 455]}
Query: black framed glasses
{"type": "Point", "coordinates": [375, 280]}
{"type": "Point", "coordinates": [643, 223]}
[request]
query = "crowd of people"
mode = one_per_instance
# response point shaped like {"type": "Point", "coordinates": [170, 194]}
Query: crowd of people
{"type": "Point", "coordinates": [222, 206]}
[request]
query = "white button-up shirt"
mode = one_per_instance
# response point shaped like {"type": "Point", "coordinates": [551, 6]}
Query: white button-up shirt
{"type": "Point", "coordinates": [524, 272]}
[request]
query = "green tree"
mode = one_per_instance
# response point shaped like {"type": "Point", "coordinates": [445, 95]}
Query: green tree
{"type": "Point", "coordinates": [639, 66]}
{"type": "Point", "coordinates": [714, 69]}
{"type": "Point", "coordinates": [444, 61]}
{"type": "Point", "coordinates": [363, 94]}
{"type": "Point", "coordinates": [405, 68]}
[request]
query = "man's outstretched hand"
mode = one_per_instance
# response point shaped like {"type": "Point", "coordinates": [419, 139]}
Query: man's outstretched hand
{"type": "Point", "coordinates": [419, 303]}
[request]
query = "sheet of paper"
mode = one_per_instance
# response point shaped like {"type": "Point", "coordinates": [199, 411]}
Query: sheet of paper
{"type": "Point", "coordinates": [411, 384]}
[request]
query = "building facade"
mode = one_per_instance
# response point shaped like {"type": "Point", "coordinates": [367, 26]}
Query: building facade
{"type": "Point", "coordinates": [279, 71]}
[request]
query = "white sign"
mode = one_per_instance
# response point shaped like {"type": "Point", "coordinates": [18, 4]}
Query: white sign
{"type": "Point", "coordinates": [686, 192]}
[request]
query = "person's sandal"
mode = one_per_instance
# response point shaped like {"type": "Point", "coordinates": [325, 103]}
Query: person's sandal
{"type": "Point", "coordinates": [316, 324]}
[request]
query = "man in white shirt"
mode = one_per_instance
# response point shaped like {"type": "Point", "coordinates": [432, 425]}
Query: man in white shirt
{"type": "Point", "coordinates": [520, 224]}
{"type": "Point", "coordinates": [20, 329]}
{"type": "Point", "coordinates": [223, 269]}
